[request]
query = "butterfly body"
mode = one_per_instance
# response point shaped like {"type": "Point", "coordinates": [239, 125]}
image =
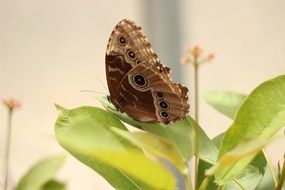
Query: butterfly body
{"type": "Point", "coordinates": [138, 83]}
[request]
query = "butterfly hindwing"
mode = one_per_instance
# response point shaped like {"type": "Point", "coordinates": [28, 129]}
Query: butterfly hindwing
{"type": "Point", "coordinates": [147, 95]}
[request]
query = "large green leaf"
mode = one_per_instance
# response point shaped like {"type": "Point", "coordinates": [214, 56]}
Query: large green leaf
{"type": "Point", "coordinates": [260, 116]}
{"type": "Point", "coordinates": [248, 179]}
{"type": "Point", "coordinates": [86, 133]}
{"type": "Point", "coordinates": [250, 146]}
{"type": "Point", "coordinates": [155, 145]}
{"type": "Point", "coordinates": [225, 102]}
{"type": "Point", "coordinates": [41, 173]}
{"type": "Point", "coordinates": [228, 103]}
{"type": "Point", "coordinates": [180, 134]}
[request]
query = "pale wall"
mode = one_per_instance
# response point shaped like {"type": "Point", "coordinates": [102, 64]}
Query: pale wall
{"type": "Point", "coordinates": [50, 51]}
{"type": "Point", "coordinates": [249, 42]}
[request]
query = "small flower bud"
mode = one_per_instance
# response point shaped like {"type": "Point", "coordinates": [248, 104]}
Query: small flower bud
{"type": "Point", "coordinates": [210, 57]}
{"type": "Point", "coordinates": [185, 59]}
{"type": "Point", "coordinates": [196, 52]}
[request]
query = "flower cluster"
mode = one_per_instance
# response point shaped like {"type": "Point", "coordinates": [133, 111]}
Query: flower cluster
{"type": "Point", "coordinates": [11, 103]}
{"type": "Point", "coordinates": [194, 56]}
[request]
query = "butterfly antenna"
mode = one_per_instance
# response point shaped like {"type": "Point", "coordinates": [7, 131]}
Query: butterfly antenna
{"type": "Point", "coordinates": [94, 92]}
{"type": "Point", "coordinates": [104, 93]}
{"type": "Point", "coordinates": [102, 84]}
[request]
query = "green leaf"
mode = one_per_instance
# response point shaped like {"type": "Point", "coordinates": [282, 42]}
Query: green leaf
{"type": "Point", "coordinates": [249, 178]}
{"type": "Point", "coordinates": [180, 134]}
{"type": "Point", "coordinates": [228, 103]}
{"type": "Point", "coordinates": [225, 102]}
{"type": "Point", "coordinates": [260, 116]}
{"type": "Point", "coordinates": [258, 164]}
{"type": "Point", "coordinates": [41, 173]}
{"type": "Point", "coordinates": [86, 133]}
{"type": "Point", "coordinates": [142, 169]}
{"type": "Point", "coordinates": [155, 145]}
{"type": "Point", "coordinates": [239, 157]}
{"type": "Point", "coordinates": [54, 185]}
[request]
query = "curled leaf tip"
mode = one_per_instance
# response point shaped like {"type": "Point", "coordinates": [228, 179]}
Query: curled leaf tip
{"type": "Point", "coordinates": [60, 109]}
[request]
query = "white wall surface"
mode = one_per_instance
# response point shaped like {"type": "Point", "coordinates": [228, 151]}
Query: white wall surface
{"type": "Point", "coordinates": [51, 50]}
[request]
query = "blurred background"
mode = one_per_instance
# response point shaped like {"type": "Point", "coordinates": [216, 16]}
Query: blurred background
{"type": "Point", "coordinates": [51, 50]}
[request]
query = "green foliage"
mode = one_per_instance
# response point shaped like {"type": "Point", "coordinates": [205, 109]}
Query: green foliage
{"type": "Point", "coordinates": [86, 133]}
{"type": "Point", "coordinates": [225, 102]}
{"type": "Point", "coordinates": [40, 176]}
{"type": "Point", "coordinates": [180, 134]}
{"type": "Point", "coordinates": [260, 116]}
{"type": "Point", "coordinates": [132, 160]}
{"type": "Point", "coordinates": [155, 145]}
{"type": "Point", "coordinates": [249, 178]}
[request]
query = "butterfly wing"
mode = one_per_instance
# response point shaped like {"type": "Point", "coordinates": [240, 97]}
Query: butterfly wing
{"type": "Point", "coordinates": [130, 59]}
{"type": "Point", "coordinates": [147, 94]}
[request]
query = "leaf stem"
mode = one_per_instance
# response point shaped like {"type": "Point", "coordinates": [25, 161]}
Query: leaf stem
{"type": "Point", "coordinates": [270, 167]}
{"type": "Point", "coordinates": [7, 149]}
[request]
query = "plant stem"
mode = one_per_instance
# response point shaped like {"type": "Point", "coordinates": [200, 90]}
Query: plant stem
{"type": "Point", "coordinates": [196, 90]}
{"type": "Point", "coordinates": [7, 149]}
{"type": "Point", "coordinates": [282, 177]}
{"type": "Point", "coordinates": [196, 95]}
{"type": "Point", "coordinates": [270, 167]}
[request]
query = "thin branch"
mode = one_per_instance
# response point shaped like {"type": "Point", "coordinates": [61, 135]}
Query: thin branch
{"type": "Point", "coordinates": [7, 149]}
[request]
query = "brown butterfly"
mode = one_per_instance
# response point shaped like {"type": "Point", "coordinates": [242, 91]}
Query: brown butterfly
{"type": "Point", "coordinates": [138, 83]}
